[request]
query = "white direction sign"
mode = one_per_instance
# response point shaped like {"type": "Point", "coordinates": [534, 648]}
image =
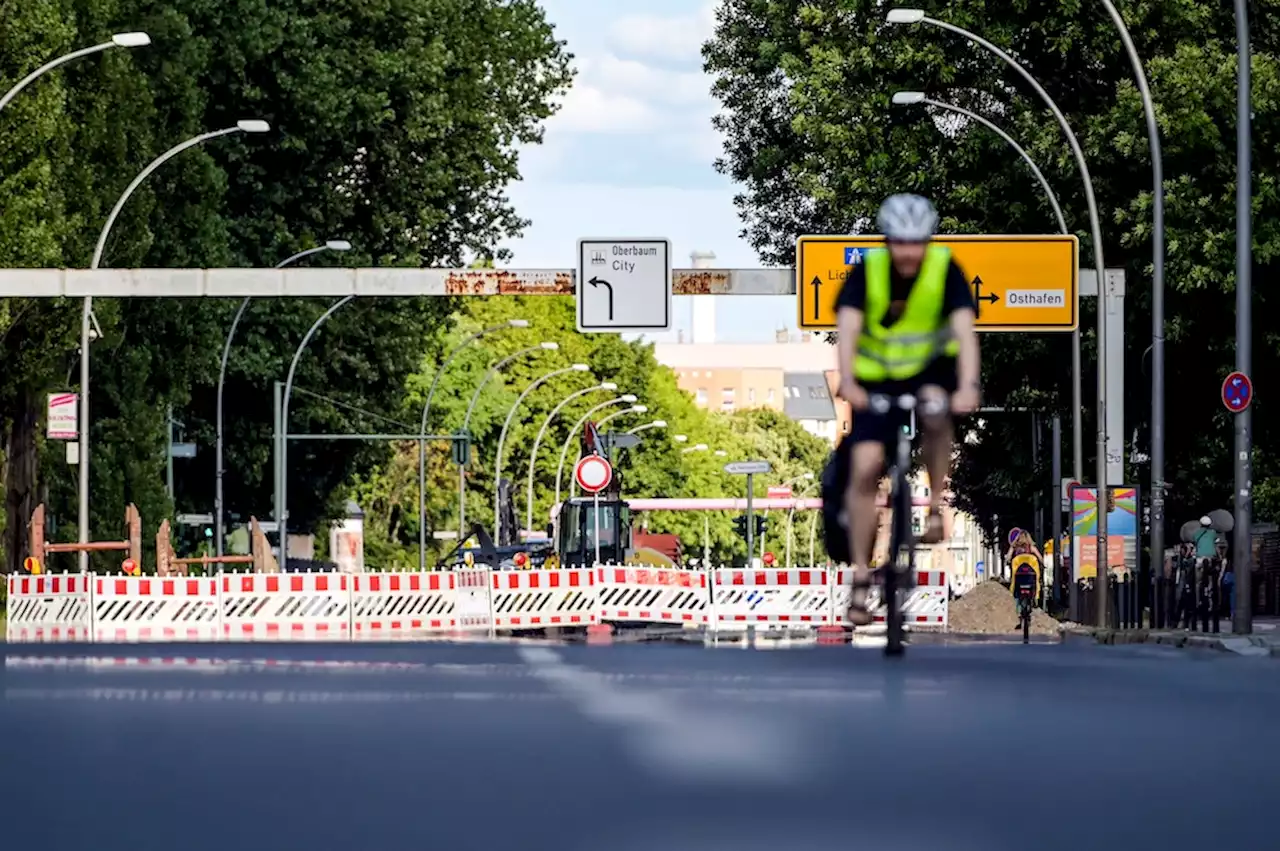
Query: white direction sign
{"type": "Point", "coordinates": [745, 468]}
{"type": "Point", "coordinates": [624, 285]}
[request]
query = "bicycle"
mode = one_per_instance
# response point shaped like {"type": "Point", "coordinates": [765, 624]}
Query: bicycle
{"type": "Point", "coordinates": [1024, 614]}
{"type": "Point", "coordinates": [898, 571]}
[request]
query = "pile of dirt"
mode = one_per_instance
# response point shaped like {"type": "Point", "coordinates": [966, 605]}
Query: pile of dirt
{"type": "Point", "coordinates": [988, 609]}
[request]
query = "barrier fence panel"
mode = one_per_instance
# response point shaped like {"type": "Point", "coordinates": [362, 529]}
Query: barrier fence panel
{"type": "Point", "coordinates": [653, 595]}
{"type": "Point", "coordinates": [145, 608]}
{"type": "Point", "coordinates": [533, 599]}
{"type": "Point", "coordinates": [792, 596]}
{"type": "Point", "coordinates": [396, 604]}
{"type": "Point", "coordinates": [320, 606]}
{"type": "Point", "coordinates": [52, 607]}
{"type": "Point", "coordinates": [286, 606]}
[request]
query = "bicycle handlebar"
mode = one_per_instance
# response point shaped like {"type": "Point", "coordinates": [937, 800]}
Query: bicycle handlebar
{"type": "Point", "coordinates": [881, 404]}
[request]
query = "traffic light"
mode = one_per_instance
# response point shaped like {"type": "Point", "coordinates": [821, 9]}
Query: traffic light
{"type": "Point", "coordinates": [460, 448]}
{"type": "Point", "coordinates": [740, 524]}
{"type": "Point", "coordinates": [762, 523]}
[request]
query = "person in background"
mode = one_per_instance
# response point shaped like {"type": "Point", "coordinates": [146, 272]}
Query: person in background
{"type": "Point", "coordinates": [1229, 587]}
{"type": "Point", "coordinates": [1026, 562]}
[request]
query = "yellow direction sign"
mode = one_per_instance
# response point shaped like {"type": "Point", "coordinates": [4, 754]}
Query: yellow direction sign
{"type": "Point", "coordinates": [1020, 283]}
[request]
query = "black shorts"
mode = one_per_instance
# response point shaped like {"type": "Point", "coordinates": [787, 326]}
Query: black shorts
{"type": "Point", "coordinates": [869, 427]}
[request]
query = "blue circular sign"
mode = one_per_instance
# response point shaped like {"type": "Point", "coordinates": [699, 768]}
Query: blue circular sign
{"type": "Point", "coordinates": [1237, 392]}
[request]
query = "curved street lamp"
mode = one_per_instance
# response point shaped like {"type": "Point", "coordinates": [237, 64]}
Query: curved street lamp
{"type": "Point", "coordinates": [466, 421]}
{"type": "Point", "coordinates": [634, 409]}
{"type": "Point", "coordinates": [86, 313]}
{"type": "Point", "coordinates": [533, 454]}
{"type": "Point", "coordinates": [680, 438]}
{"type": "Point", "coordinates": [700, 447]}
{"type": "Point", "coordinates": [1077, 408]}
{"type": "Point", "coordinates": [577, 427]}
{"type": "Point", "coordinates": [331, 245]}
{"type": "Point", "coordinates": [422, 429]}
{"type": "Point", "coordinates": [502, 438]}
{"type": "Point", "coordinates": [917, 16]}
{"type": "Point", "coordinates": [125, 40]}
{"type": "Point", "coordinates": [647, 426]}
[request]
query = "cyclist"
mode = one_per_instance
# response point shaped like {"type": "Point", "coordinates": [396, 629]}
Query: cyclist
{"type": "Point", "coordinates": [1025, 558]}
{"type": "Point", "coordinates": [905, 320]}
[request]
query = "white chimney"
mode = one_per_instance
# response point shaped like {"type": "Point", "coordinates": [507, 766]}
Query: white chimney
{"type": "Point", "coordinates": [704, 306]}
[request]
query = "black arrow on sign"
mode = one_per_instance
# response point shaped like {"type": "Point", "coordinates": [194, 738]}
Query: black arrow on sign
{"type": "Point", "coordinates": [991, 298]}
{"type": "Point", "coordinates": [600, 282]}
{"type": "Point", "coordinates": [816, 283]}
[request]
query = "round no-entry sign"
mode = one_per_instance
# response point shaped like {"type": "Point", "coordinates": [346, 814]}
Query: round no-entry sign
{"type": "Point", "coordinates": [593, 474]}
{"type": "Point", "coordinates": [1237, 392]}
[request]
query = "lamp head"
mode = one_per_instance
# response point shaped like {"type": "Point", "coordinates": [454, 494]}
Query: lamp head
{"type": "Point", "coordinates": [608, 385]}
{"type": "Point", "coordinates": [549, 346]}
{"type": "Point", "coordinates": [580, 367]}
{"type": "Point", "coordinates": [131, 39]}
{"type": "Point", "coordinates": [680, 438]}
{"type": "Point", "coordinates": [517, 323]}
{"type": "Point", "coordinates": [905, 16]}
{"type": "Point", "coordinates": [701, 447]}
{"type": "Point", "coordinates": [721, 453]}
{"type": "Point", "coordinates": [253, 125]}
{"type": "Point", "coordinates": [659, 423]}
{"type": "Point", "coordinates": [639, 409]}
{"type": "Point", "coordinates": [808, 477]}
{"type": "Point", "coordinates": [338, 245]}
{"type": "Point", "coordinates": [907, 98]}
{"type": "Point", "coordinates": [628, 398]}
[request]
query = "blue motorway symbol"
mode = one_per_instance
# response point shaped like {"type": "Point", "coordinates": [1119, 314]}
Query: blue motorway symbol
{"type": "Point", "coordinates": [1237, 391]}
{"type": "Point", "coordinates": [853, 256]}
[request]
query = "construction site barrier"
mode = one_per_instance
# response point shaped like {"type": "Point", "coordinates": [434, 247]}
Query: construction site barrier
{"type": "Point", "coordinates": [379, 606]}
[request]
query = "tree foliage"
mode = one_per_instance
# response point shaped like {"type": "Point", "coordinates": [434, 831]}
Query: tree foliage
{"type": "Point", "coordinates": [396, 125]}
{"type": "Point", "coordinates": [815, 144]}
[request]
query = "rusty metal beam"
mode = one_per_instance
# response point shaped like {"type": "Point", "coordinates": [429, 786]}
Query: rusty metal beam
{"type": "Point", "coordinates": [295, 282]}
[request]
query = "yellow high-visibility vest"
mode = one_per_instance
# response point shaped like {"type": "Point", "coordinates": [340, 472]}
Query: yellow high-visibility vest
{"type": "Point", "coordinates": [919, 335]}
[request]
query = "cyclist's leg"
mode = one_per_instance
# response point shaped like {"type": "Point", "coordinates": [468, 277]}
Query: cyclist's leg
{"type": "Point", "coordinates": [937, 382]}
{"type": "Point", "coordinates": [867, 460]}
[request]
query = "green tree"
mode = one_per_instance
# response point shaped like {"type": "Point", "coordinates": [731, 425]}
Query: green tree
{"type": "Point", "coordinates": [815, 145]}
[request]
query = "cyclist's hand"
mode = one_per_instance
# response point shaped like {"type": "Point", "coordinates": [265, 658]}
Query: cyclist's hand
{"type": "Point", "coordinates": [964, 401]}
{"type": "Point", "coordinates": [852, 393]}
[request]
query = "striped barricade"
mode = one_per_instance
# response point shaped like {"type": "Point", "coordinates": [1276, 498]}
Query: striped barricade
{"type": "Point", "coordinates": [145, 608]}
{"type": "Point", "coordinates": [535, 599]}
{"type": "Point", "coordinates": [286, 607]}
{"type": "Point", "coordinates": [652, 595]}
{"type": "Point", "coordinates": [390, 605]}
{"type": "Point", "coordinates": [923, 606]}
{"type": "Point", "coordinates": [776, 596]}
{"type": "Point", "coordinates": [52, 607]}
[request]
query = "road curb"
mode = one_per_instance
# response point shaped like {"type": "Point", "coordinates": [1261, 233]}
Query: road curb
{"type": "Point", "coordinates": [1248, 645]}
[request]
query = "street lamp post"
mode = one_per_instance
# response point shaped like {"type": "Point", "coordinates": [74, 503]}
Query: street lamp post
{"type": "Point", "coordinates": [466, 423]}
{"type": "Point", "coordinates": [125, 40]}
{"type": "Point", "coordinates": [86, 313]}
{"type": "Point", "coordinates": [634, 409]}
{"type": "Point", "coordinates": [628, 399]}
{"type": "Point", "coordinates": [422, 429]}
{"type": "Point", "coordinates": [914, 16]}
{"type": "Point", "coordinates": [647, 426]}
{"type": "Point", "coordinates": [502, 438]}
{"type": "Point", "coordinates": [1157, 285]}
{"type": "Point", "coordinates": [331, 245]}
{"type": "Point", "coordinates": [533, 454]}
{"type": "Point", "coordinates": [1242, 617]}
{"type": "Point", "coordinates": [1077, 416]}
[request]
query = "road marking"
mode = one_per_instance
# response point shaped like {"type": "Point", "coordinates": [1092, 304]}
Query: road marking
{"type": "Point", "coordinates": [670, 738]}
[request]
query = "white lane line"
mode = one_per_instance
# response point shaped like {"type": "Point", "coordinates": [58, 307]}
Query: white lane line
{"type": "Point", "coordinates": [669, 738]}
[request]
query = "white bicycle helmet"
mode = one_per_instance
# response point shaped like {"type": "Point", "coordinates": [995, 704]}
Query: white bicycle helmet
{"type": "Point", "coordinates": [908, 218]}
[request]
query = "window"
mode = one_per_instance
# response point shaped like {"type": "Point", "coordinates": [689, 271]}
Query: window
{"type": "Point", "coordinates": [769, 396]}
{"type": "Point", "coordinates": [726, 399]}
{"type": "Point", "coordinates": [702, 396]}
{"type": "Point", "coordinates": [728, 394]}
{"type": "Point", "coordinates": [751, 395]}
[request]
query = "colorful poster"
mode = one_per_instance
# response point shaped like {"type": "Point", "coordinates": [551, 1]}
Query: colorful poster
{"type": "Point", "coordinates": [1122, 531]}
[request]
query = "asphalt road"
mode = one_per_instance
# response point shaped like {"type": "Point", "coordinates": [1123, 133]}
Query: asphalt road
{"type": "Point", "coordinates": [457, 747]}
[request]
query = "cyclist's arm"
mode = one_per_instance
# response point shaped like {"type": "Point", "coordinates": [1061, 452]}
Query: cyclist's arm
{"type": "Point", "coordinates": [963, 311]}
{"type": "Point", "coordinates": [849, 308]}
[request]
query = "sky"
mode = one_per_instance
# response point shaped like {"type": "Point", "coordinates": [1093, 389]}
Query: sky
{"type": "Point", "coordinates": [630, 154]}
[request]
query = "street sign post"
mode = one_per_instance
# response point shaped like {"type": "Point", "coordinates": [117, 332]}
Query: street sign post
{"type": "Point", "coordinates": [624, 285]}
{"type": "Point", "coordinates": [750, 469]}
{"type": "Point", "coordinates": [1237, 392]}
{"type": "Point", "coordinates": [1020, 283]}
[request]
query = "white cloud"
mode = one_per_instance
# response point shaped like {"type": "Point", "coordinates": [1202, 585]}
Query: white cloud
{"type": "Point", "coordinates": [678, 88]}
{"type": "Point", "coordinates": [678, 38]}
{"type": "Point", "coordinates": [590, 109]}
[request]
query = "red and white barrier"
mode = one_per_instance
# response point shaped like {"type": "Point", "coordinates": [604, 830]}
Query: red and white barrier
{"type": "Point", "coordinates": [341, 607]}
{"type": "Point", "coordinates": [52, 607]}
{"type": "Point", "coordinates": [653, 595]}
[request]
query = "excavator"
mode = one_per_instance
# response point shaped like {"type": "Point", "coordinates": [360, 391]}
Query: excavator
{"type": "Point", "coordinates": [571, 540]}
